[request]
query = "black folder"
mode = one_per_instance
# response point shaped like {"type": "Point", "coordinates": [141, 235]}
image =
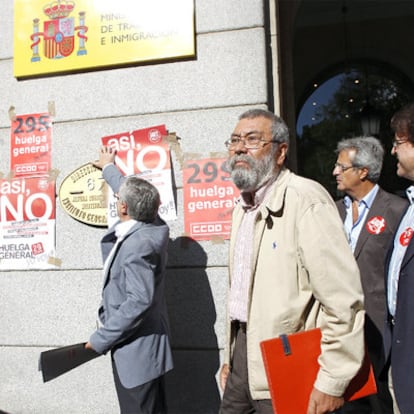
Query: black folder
{"type": "Point", "coordinates": [58, 361]}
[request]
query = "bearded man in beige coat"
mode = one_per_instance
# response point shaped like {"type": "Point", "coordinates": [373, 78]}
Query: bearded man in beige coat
{"type": "Point", "coordinates": [290, 270]}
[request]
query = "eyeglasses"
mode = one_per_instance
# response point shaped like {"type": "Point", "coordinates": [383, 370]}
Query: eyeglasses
{"type": "Point", "coordinates": [116, 197]}
{"type": "Point", "coordinates": [250, 141]}
{"type": "Point", "coordinates": [342, 167]}
{"type": "Point", "coordinates": [396, 143]}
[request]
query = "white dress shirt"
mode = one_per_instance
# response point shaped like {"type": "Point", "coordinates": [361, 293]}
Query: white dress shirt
{"type": "Point", "coordinates": [401, 240]}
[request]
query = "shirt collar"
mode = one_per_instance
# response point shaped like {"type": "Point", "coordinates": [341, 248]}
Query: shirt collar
{"type": "Point", "coordinates": [410, 193]}
{"type": "Point", "coordinates": [123, 228]}
{"type": "Point", "coordinates": [250, 200]}
{"type": "Point", "coordinates": [367, 200]}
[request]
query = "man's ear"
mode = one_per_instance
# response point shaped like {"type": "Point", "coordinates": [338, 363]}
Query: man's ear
{"type": "Point", "coordinates": [363, 173]}
{"type": "Point", "coordinates": [123, 208]}
{"type": "Point", "coordinates": [281, 154]}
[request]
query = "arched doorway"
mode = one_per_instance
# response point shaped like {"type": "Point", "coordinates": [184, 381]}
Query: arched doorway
{"type": "Point", "coordinates": [322, 39]}
{"type": "Point", "coordinates": [334, 109]}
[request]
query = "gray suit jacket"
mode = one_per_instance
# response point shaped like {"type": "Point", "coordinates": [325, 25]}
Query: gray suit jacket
{"type": "Point", "coordinates": [371, 249]}
{"type": "Point", "coordinates": [133, 309]}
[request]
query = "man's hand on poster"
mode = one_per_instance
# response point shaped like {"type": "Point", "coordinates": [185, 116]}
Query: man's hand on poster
{"type": "Point", "coordinates": [106, 156]}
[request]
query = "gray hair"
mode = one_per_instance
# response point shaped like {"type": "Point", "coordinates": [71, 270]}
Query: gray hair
{"type": "Point", "coordinates": [280, 131]}
{"type": "Point", "coordinates": [141, 197]}
{"type": "Point", "coordinates": [369, 153]}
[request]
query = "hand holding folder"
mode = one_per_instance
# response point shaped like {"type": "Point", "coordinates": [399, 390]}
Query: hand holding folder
{"type": "Point", "coordinates": [56, 362]}
{"type": "Point", "coordinates": [291, 364]}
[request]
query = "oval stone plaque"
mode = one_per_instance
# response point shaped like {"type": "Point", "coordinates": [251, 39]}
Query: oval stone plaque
{"type": "Point", "coordinates": [83, 195]}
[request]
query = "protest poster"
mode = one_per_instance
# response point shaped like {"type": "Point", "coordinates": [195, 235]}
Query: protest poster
{"type": "Point", "coordinates": [145, 153]}
{"type": "Point", "coordinates": [209, 197]}
{"type": "Point", "coordinates": [27, 223]}
{"type": "Point", "coordinates": [31, 144]}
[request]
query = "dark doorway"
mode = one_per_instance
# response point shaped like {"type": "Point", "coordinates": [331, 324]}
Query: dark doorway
{"type": "Point", "coordinates": [345, 55]}
{"type": "Point", "coordinates": [335, 110]}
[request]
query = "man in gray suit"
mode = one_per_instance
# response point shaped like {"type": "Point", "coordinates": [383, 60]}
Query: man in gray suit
{"type": "Point", "coordinates": [371, 216]}
{"type": "Point", "coordinates": [133, 315]}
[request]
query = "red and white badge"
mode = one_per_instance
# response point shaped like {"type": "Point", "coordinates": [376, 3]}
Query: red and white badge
{"type": "Point", "coordinates": [376, 225]}
{"type": "Point", "coordinates": [405, 236]}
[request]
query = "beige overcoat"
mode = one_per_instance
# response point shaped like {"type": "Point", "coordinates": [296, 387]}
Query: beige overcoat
{"type": "Point", "coordinates": [304, 275]}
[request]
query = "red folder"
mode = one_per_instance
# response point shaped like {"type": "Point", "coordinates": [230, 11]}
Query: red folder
{"type": "Point", "coordinates": [291, 364]}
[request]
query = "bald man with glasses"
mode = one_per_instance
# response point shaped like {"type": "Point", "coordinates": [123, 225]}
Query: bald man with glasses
{"type": "Point", "coordinates": [290, 270]}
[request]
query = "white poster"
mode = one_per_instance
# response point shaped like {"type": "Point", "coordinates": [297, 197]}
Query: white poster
{"type": "Point", "coordinates": [27, 224]}
{"type": "Point", "coordinates": [146, 153]}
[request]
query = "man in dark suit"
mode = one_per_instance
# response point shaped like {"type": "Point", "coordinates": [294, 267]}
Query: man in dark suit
{"type": "Point", "coordinates": [399, 330]}
{"type": "Point", "coordinates": [133, 315]}
{"type": "Point", "coordinates": [371, 216]}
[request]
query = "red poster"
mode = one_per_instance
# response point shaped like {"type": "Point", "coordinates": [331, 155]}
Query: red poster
{"type": "Point", "coordinates": [146, 153]}
{"type": "Point", "coordinates": [209, 196]}
{"type": "Point", "coordinates": [30, 149]}
{"type": "Point", "coordinates": [27, 223]}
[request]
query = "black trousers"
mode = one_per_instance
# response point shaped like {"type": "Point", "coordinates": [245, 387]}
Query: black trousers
{"type": "Point", "coordinates": [237, 398]}
{"type": "Point", "coordinates": [380, 403]}
{"type": "Point", "coordinates": [148, 398]}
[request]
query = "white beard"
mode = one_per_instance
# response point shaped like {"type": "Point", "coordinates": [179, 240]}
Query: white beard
{"type": "Point", "coordinates": [250, 179]}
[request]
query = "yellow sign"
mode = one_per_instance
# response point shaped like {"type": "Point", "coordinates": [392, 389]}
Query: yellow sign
{"type": "Point", "coordinates": [74, 35]}
{"type": "Point", "coordinates": [83, 195]}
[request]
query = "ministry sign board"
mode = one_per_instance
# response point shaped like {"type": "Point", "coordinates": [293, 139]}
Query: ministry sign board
{"type": "Point", "coordinates": [76, 35]}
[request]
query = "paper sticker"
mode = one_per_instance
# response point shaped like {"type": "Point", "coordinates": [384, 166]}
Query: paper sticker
{"type": "Point", "coordinates": [405, 236]}
{"type": "Point", "coordinates": [376, 225]}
